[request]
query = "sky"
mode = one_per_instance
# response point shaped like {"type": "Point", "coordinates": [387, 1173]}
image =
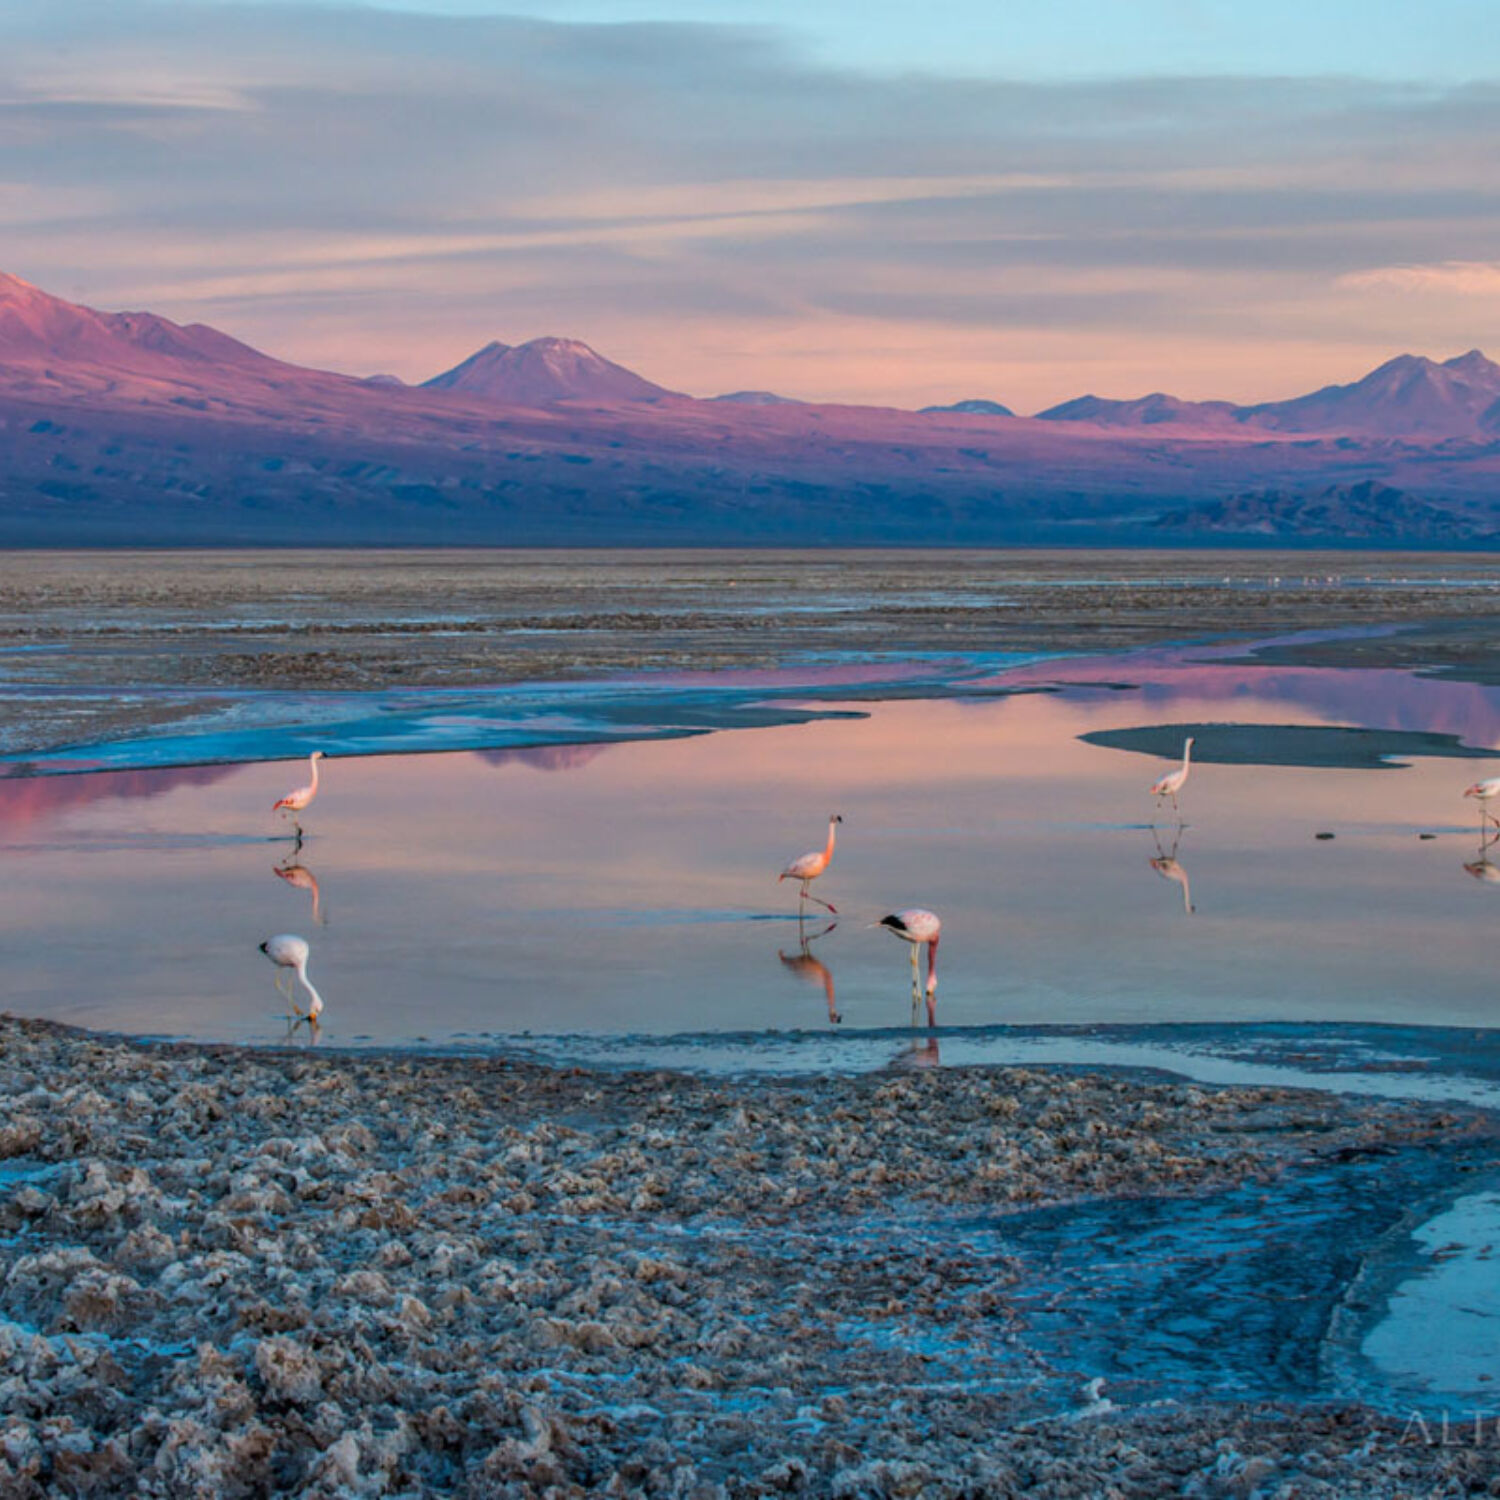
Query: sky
{"type": "Point", "coordinates": [872, 202]}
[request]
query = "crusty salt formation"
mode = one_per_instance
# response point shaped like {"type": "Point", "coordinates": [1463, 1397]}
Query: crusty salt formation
{"type": "Point", "coordinates": [228, 1272]}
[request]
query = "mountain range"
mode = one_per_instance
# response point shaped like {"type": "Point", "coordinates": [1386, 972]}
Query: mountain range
{"type": "Point", "coordinates": [128, 428]}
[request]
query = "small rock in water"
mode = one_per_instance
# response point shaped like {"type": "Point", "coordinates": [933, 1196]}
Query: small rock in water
{"type": "Point", "coordinates": [1427, 835]}
{"type": "Point", "coordinates": [1322, 835]}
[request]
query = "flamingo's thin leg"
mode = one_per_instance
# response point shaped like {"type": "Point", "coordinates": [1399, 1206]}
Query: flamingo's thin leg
{"type": "Point", "coordinates": [807, 895]}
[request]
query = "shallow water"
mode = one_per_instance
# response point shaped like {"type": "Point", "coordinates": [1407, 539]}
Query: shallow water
{"type": "Point", "coordinates": [614, 901]}
{"type": "Point", "coordinates": [630, 888]}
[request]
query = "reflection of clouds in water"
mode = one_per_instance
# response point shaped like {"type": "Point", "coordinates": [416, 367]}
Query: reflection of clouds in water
{"type": "Point", "coordinates": [27, 800]}
{"type": "Point", "coordinates": [545, 757]}
{"type": "Point", "coordinates": [1377, 698]}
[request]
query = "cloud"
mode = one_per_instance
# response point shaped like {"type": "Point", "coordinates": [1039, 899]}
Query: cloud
{"type": "Point", "coordinates": [1463, 278]}
{"type": "Point", "coordinates": [374, 190]}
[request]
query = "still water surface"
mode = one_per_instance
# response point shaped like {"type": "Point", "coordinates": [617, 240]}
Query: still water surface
{"type": "Point", "coordinates": [630, 888]}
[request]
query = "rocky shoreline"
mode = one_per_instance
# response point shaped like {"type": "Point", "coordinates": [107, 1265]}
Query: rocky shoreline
{"type": "Point", "coordinates": [238, 1272]}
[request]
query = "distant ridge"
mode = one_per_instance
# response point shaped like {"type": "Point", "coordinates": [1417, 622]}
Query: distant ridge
{"type": "Point", "coordinates": [758, 398]}
{"type": "Point", "coordinates": [975, 406]}
{"type": "Point", "coordinates": [35, 326]}
{"type": "Point", "coordinates": [1408, 396]}
{"type": "Point", "coordinates": [543, 371]}
{"type": "Point", "coordinates": [129, 429]}
{"type": "Point", "coordinates": [1144, 411]}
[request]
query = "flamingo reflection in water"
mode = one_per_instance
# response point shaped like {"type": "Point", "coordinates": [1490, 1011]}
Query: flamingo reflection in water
{"type": "Point", "coordinates": [1166, 865]}
{"type": "Point", "coordinates": [806, 965]}
{"type": "Point", "coordinates": [290, 954]}
{"type": "Point", "coordinates": [1483, 868]}
{"type": "Point", "coordinates": [297, 874]}
{"type": "Point", "coordinates": [916, 925]}
{"type": "Point", "coordinates": [922, 1053]}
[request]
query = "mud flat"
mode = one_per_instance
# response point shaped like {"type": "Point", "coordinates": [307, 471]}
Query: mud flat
{"type": "Point", "coordinates": [245, 1273]}
{"type": "Point", "coordinates": [88, 640]}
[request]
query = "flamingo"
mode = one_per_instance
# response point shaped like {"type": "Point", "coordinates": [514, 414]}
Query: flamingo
{"type": "Point", "coordinates": [1483, 791]}
{"type": "Point", "coordinates": [810, 967]}
{"type": "Point", "coordinates": [809, 866]}
{"type": "Point", "coordinates": [917, 926]}
{"type": "Point", "coordinates": [1172, 782]}
{"type": "Point", "coordinates": [288, 951]}
{"type": "Point", "coordinates": [298, 801]}
{"type": "Point", "coordinates": [300, 876]}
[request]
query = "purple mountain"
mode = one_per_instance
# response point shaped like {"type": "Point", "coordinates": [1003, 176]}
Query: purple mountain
{"type": "Point", "coordinates": [543, 371]}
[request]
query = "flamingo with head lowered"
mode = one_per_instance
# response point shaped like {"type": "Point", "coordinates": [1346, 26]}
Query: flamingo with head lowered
{"type": "Point", "coordinates": [1172, 782]}
{"type": "Point", "coordinates": [296, 802]}
{"type": "Point", "coordinates": [809, 866]}
{"type": "Point", "coordinates": [288, 951]}
{"type": "Point", "coordinates": [916, 926]}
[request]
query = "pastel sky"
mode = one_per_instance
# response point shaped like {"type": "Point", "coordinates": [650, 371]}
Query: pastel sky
{"type": "Point", "coordinates": [837, 200]}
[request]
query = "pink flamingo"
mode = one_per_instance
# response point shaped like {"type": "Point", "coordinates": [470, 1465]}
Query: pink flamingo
{"type": "Point", "coordinates": [809, 866]}
{"type": "Point", "coordinates": [1172, 782]}
{"type": "Point", "coordinates": [296, 802]}
{"type": "Point", "coordinates": [1483, 791]}
{"type": "Point", "coordinates": [917, 926]}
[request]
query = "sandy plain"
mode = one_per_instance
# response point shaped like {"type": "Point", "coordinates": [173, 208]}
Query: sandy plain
{"type": "Point", "coordinates": [85, 637]}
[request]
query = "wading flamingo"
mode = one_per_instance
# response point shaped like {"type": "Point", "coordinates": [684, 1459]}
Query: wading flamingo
{"type": "Point", "coordinates": [917, 926]}
{"type": "Point", "coordinates": [1171, 783]}
{"type": "Point", "coordinates": [296, 802]}
{"type": "Point", "coordinates": [1483, 791]}
{"type": "Point", "coordinates": [807, 965]}
{"type": "Point", "coordinates": [809, 866]}
{"type": "Point", "coordinates": [288, 951]}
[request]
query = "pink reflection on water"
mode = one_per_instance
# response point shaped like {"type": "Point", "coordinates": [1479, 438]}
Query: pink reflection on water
{"type": "Point", "coordinates": [27, 801]}
{"type": "Point", "coordinates": [545, 757]}
{"type": "Point", "coordinates": [1372, 698]}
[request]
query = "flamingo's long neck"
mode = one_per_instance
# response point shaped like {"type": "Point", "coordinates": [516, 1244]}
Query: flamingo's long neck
{"type": "Point", "coordinates": [307, 984]}
{"type": "Point", "coordinates": [1187, 750]}
{"type": "Point", "coordinates": [314, 780]}
{"type": "Point", "coordinates": [828, 848]}
{"type": "Point", "coordinates": [932, 966]}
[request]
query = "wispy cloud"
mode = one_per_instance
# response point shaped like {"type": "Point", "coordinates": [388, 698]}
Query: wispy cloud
{"type": "Point", "coordinates": [374, 190]}
{"type": "Point", "coordinates": [1464, 278]}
